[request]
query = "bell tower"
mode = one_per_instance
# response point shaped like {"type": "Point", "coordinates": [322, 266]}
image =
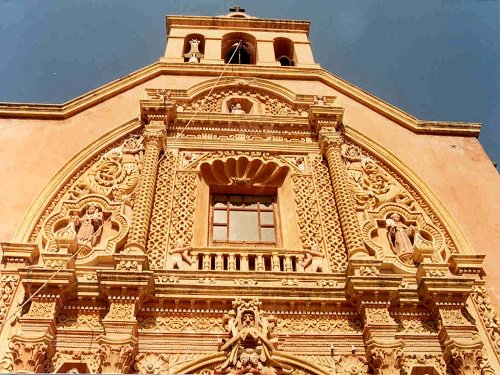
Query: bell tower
{"type": "Point", "coordinates": [248, 40]}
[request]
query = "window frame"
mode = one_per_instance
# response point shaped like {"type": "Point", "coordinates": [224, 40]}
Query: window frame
{"type": "Point", "coordinates": [228, 209]}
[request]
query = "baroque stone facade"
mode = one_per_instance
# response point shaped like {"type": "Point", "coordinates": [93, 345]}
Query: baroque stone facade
{"type": "Point", "coordinates": [240, 227]}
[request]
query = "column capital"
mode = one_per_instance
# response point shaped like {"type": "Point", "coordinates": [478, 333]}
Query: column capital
{"type": "Point", "coordinates": [325, 116]}
{"type": "Point", "coordinates": [154, 132]}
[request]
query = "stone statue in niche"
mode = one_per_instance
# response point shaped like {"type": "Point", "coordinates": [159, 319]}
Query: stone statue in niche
{"type": "Point", "coordinates": [194, 55]}
{"type": "Point", "coordinates": [250, 344]}
{"type": "Point", "coordinates": [314, 260]}
{"type": "Point", "coordinates": [84, 231]}
{"type": "Point", "coordinates": [179, 257]}
{"type": "Point", "coordinates": [236, 109]}
{"type": "Point", "coordinates": [400, 235]}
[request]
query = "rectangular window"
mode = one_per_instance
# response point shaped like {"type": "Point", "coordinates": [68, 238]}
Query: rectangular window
{"type": "Point", "coordinates": [243, 219]}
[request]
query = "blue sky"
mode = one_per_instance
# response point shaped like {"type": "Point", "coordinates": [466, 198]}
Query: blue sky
{"type": "Point", "coordinates": [435, 59]}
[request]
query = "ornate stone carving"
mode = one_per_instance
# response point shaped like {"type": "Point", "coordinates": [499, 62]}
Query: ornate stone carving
{"type": "Point", "coordinates": [151, 363]}
{"type": "Point", "coordinates": [334, 241]}
{"type": "Point", "coordinates": [121, 310]}
{"type": "Point", "coordinates": [8, 284]}
{"type": "Point", "coordinates": [245, 282]}
{"type": "Point", "coordinates": [266, 102]}
{"type": "Point", "coordinates": [27, 356]}
{"type": "Point", "coordinates": [116, 173]}
{"type": "Point", "coordinates": [112, 233]}
{"type": "Point", "coordinates": [181, 224]}
{"type": "Point", "coordinates": [487, 313]}
{"type": "Point", "coordinates": [160, 218]}
{"type": "Point", "coordinates": [415, 326]}
{"type": "Point", "coordinates": [330, 143]}
{"type": "Point", "coordinates": [42, 309]}
{"type": "Point", "coordinates": [289, 282]}
{"type": "Point", "coordinates": [317, 325]}
{"type": "Point", "coordinates": [179, 257]}
{"type": "Point", "coordinates": [425, 362]}
{"type": "Point", "coordinates": [468, 362]}
{"type": "Point", "coordinates": [154, 133]}
{"type": "Point", "coordinates": [250, 345]}
{"type": "Point", "coordinates": [90, 320]}
{"type": "Point", "coordinates": [352, 364]}
{"type": "Point", "coordinates": [89, 357]}
{"type": "Point", "coordinates": [400, 235]}
{"type": "Point", "coordinates": [371, 185]}
{"type": "Point", "coordinates": [181, 322]}
{"type": "Point", "coordinates": [116, 359]}
{"type": "Point", "coordinates": [386, 361]}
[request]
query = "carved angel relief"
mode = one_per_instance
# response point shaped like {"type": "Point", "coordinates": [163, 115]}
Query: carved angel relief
{"type": "Point", "coordinates": [250, 343]}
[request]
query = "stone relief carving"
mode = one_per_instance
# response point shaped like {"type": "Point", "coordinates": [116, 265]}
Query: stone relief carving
{"type": "Point", "coordinates": [89, 357]}
{"type": "Point", "coordinates": [8, 284]}
{"type": "Point", "coordinates": [386, 361]}
{"type": "Point", "coordinates": [116, 173]}
{"type": "Point", "coordinates": [391, 239]}
{"type": "Point", "coordinates": [314, 260]}
{"type": "Point", "coordinates": [90, 320]}
{"type": "Point", "coordinates": [151, 363]}
{"type": "Point", "coordinates": [160, 218]}
{"type": "Point", "coordinates": [318, 325]}
{"type": "Point", "coordinates": [26, 357]}
{"type": "Point", "coordinates": [250, 343]}
{"type": "Point", "coordinates": [334, 240]}
{"type": "Point", "coordinates": [92, 224]}
{"type": "Point", "coordinates": [181, 222]}
{"type": "Point", "coordinates": [267, 102]}
{"type": "Point", "coordinates": [181, 322]}
{"type": "Point", "coordinates": [490, 318]}
{"type": "Point", "coordinates": [179, 257]}
{"type": "Point", "coordinates": [116, 359]}
{"type": "Point", "coordinates": [424, 361]}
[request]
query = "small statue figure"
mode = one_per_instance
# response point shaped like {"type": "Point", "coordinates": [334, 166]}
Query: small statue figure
{"type": "Point", "coordinates": [179, 257]}
{"type": "Point", "coordinates": [237, 110]}
{"type": "Point", "coordinates": [314, 260]}
{"type": "Point", "coordinates": [89, 226]}
{"type": "Point", "coordinates": [194, 55]}
{"type": "Point", "coordinates": [399, 234]}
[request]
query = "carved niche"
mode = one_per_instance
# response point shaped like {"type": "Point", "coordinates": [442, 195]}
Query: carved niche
{"type": "Point", "coordinates": [93, 225]}
{"type": "Point", "coordinates": [393, 233]}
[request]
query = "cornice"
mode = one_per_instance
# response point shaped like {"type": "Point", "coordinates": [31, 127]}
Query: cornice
{"type": "Point", "coordinates": [79, 104]}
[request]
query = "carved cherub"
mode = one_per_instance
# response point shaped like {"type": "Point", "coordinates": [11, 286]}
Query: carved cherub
{"type": "Point", "coordinates": [180, 256]}
{"type": "Point", "coordinates": [314, 260]}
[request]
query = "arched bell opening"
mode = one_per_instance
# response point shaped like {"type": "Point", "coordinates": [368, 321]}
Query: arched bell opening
{"type": "Point", "coordinates": [284, 52]}
{"type": "Point", "coordinates": [239, 48]}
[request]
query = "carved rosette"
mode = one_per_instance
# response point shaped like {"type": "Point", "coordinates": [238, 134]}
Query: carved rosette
{"type": "Point", "coordinates": [151, 363]}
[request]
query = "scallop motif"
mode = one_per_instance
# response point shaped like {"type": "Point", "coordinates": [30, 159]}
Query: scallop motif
{"type": "Point", "coordinates": [243, 171]}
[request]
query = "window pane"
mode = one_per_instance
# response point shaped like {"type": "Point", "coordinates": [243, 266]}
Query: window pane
{"type": "Point", "coordinates": [243, 226]}
{"type": "Point", "coordinates": [220, 201]}
{"type": "Point", "coordinates": [220, 217]}
{"type": "Point", "coordinates": [267, 234]}
{"type": "Point", "coordinates": [220, 233]}
{"type": "Point", "coordinates": [266, 218]}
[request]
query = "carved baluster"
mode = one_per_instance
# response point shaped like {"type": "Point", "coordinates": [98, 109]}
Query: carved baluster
{"type": "Point", "coordinates": [259, 263]}
{"type": "Point", "coordinates": [330, 142]}
{"type": "Point", "coordinates": [299, 262]}
{"type": "Point", "coordinates": [288, 263]}
{"type": "Point", "coordinates": [243, 262]}
{"type": "Point", "coordinates": [206, 262]}
{"type": "Point", "coordinates": [231, 262]}
{"type": "Point", "coordinates": [219, 262]}
{"type": "Point", "coordinates": [276, 263]}
{"type": "Point", "coordinates": [153, 136]}
{"type": "Point", "coordinates": [195, 261]}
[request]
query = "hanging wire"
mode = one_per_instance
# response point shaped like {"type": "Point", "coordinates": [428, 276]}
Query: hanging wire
{"type": "Point", "coordinates": [20, 307]}
{"type": "Point", "coordinates": [238, 47]}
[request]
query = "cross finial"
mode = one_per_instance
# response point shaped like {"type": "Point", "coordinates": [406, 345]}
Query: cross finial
{"type": "Point", "coordinates": [237, 9]}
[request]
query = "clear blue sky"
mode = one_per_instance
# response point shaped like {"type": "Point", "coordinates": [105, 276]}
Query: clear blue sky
{"type": "Point", "coordinates": [436, 59]}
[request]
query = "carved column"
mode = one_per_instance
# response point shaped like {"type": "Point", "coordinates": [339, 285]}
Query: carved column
{"type": "Point", "coordinates": [154, 134]}
{"type": "Point", "coordinates": [373, 293]}
{"type": "Point", "coordinates": [446, 295]}
{"type": "Point", "coordinates": [330, 142]}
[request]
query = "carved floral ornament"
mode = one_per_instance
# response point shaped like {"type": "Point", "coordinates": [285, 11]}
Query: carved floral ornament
{"type": "Point", "coordinates": [93, 225]}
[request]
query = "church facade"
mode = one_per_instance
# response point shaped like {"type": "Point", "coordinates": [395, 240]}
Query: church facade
{"type": "Point", "coordinates": [235, 209]}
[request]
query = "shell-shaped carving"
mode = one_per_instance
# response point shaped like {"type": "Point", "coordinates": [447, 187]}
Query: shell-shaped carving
{"type": "Point", "coordinates": [244, 171]}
